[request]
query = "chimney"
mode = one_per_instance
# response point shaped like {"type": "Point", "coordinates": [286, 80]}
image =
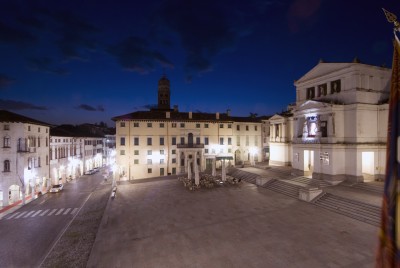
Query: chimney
{"type": "Point", "coordinates": [190, 115]}
{"type": "Point", "coordinates": [228, 112]}
{"type": "Point", "coordinates": [168, 115]}
{"type": "Point", "coordinates": [175, 108]}
{"type": "Point", "coordinates": [217, 116]}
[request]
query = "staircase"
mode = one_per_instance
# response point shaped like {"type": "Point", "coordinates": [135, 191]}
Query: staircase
{"type": "Point", "coordinates": [357, 210]}
{"type": "Point", "coordinates": [369, 186]}
{"type": "Point", "coordinates": [246, 176]}
{"type": "Point", "coordinates": [281, 187]}
{"type": "Point", "coordinates": [310, 182]}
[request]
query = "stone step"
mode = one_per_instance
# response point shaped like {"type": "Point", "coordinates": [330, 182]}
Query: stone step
{"type": "Point", "coordinates": [283, 188]}
{"type": "Point", "coordinates": [311, 182]}
{"type": "Point", "coordinates": [376, 188]}
{"type": "Point", "coordinates": [351, 208]}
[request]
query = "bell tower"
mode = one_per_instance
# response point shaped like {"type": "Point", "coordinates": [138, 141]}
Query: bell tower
{"type": "Point", "coordinates": [163, 93]}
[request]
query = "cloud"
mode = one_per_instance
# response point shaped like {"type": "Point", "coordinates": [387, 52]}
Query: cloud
{"type": "Point", "coordinates": [134, 54]}
{"type": "Point", "coordinates": [5, 81]}
{"type": "Point", "coordinates": [44, 65]}
{"type": "Point", "coordinates": [74, 34]}
{"type": "Point", "coordinates": [14, 35]}
{"type": "Point", "coordinates": [19, 105]}
{"type": "Point", "coordinates": [89, 108]}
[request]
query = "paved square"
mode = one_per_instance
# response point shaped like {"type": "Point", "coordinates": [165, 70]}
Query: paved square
{"type": "Point", "coordinates": [161, 224]}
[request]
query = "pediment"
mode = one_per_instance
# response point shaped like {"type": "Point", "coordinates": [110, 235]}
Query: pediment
{"type": "Point", "coordinates": [322, 69]}
{"type": "Point", "coordinates": [310, 104]}
{"type": "Point", "coordinates": [276, 117]}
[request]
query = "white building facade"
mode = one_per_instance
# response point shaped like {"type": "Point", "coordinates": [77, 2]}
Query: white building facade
{"type": "Point", "coordinates": [24, 158]}
{"type": "Point", "coordinates": [165, 141]}
{"type": "Point", "coordinates": [339, 124]}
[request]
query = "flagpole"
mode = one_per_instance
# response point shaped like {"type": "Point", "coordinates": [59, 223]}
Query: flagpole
{"type": "Point", "coordinates": [388, 254]}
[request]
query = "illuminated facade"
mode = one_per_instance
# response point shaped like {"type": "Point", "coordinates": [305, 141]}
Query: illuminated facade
{"type": "Point", "coordinates": [24, 157]}
{"type": "Point", "coordinates": [165, 141]}
{"type": "Point", "coordinates": [72, 156]}
{"type": "Point", "coordinates": [339, 124]}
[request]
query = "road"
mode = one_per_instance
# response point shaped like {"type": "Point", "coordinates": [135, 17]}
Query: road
{"type": "Point", "coordinates": [28, 234]}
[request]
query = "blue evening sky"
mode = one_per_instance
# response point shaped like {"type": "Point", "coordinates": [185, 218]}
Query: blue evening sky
{"type": "Point", "coordinates": [85, 61]}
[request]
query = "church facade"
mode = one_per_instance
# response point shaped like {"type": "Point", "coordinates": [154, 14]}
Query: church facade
{"type": "Point", "coordinates": [164, 141]}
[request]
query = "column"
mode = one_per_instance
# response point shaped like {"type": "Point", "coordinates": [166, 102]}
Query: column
{"type": "Point", "coordinates": [223, 170]}
{"type": "Point", "coordinates": [214, 172]}
{"type": "Point", "coordinates": [196, 173]}
{"type": "Point", "coordinates": [283, 126]}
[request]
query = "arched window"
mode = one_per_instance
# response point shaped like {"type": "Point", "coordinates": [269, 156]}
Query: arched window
{"type": "Point", "coordinates": [6, 142]}
{"type": "Point", "coordinates": [6, 167]}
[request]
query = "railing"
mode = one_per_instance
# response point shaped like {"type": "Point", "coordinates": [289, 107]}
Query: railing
{"type": "Point", "coordinates": [190, 145]}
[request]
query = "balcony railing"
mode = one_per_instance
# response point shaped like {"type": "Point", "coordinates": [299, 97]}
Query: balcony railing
{"type": "Point", "coordinates": [190, 145]}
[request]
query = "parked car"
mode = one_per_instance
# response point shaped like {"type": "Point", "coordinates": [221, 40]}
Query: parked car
{"type": "Point", "coordinates": [56, 188]}
{"type": "Point", "coordinates": [90, 172]}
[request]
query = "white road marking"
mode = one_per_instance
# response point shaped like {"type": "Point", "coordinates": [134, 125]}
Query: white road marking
{"type": "Point", "coordinates": [52, 212]}
{"type": "Point", "coordinates": [44, 212]}
{"type": "Point", "coordinates": [21, 214]}
{"type": "Point", "coordinates": [37, 212]}
{"type": "Point", "coordinates": [29, 213]}
{"type": "Point", "coordinates": [74, 211]}
{"type": "Point", "coordinates": [59, 211]}
{"type": "Point", "coordinates": [66, 211]}
{"type": "Point", "coordinates": [13, 215]}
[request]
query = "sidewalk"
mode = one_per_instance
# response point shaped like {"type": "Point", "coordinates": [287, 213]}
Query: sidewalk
{"type": "Point", "coordinates": [16, 205]}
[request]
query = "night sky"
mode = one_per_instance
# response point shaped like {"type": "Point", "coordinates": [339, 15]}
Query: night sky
{"type": "Point", "coordinates": [88, 60]}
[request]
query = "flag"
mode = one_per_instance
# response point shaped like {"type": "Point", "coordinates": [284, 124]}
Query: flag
{"type": "Point", "coordinates": [388, 254]}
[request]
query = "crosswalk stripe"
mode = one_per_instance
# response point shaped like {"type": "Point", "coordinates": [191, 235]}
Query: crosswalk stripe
{"type": "Point", "coordinates": [13, 215]}
{"type": "Point", "coordinates": [74, 211]}
{"type": "Point", "coordinates": [44, 212]}
{"type": "Point", "coordinates": [59, 211]}
{"type": "Point", "coordinates": [66, 211]}
{"type": "Point", "coordinates": [52, 212]}
{"type": "Point", "coordinates": [21, 214]}
{"type": "Point", "coordinates": [37, 212]}
{"type": "Point", "coordinates": [29, 213]}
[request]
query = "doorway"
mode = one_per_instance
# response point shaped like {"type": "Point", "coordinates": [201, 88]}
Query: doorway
{"type": "Point", "coordinates": [367, 165]}
{"type": "Point", "coordinates": [308, 163]}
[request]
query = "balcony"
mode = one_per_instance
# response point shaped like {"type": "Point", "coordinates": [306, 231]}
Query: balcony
{"type": "Point", "coordinates": [189, 145]}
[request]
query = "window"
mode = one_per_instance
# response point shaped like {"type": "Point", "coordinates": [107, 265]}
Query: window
{"type": "Point", "coordinates": [161, 140]}
{"type": "Point", "coordinates": [161, 152]}
{"type": "Point", "coordinates": [173, 125]}
{"type": "Point", "coordinates": [6, 142]}
{"type": "Point", "coordinates": [197, 140]}
{"type": "Point", "coordinates": [149, 124]}
{"type": "Point", "coordinates": [206, 151]}
{"type": "Point", "coordinates": [47, 160]}
{"type": "Point", "coordinates": [206, 140]}
{"type": "Point", "coordinates": [182, 125]}
{"type": "Point", "coordinates": [335, 86]}
{"type": "Point", "coordinates": [173, 151]}
{"type": "Point", "coordinates": [229, 141]}
{"type": "Point", "coordinates": [149, 152]}
{"type": "Point", "coordinates": [29, 128]}
{"type": "Point", "coordinates": [149, 141]}
{"type": "Point", "coordinates": [136, 152]}
{"type": "Point", "coordinates": [47, 142]}
{"type": "Point", "coordinates": [122, 143]}
{"type": "Point", "coordinates": [149, 161]}
{"type": "Point", "coordinates": [136, 124]}
{"type": "Point", "coordinates": [173, 160]}
{"type": "Point", "coordinates": [29, 163]}
{"type": "Point", "coordinates": [38, 129]}
{"type": "Point", "coordinates": [221, 125]}
{"type": "Point", "coordinates": [221, 141]}
{"type": "Point", "coordinates": [229, 150]}
{"type": "Point", "coordinates": [136, 161]}
{"type": "Point", "coordinates": [205, 125]}
{"type": "Point", "coordinates": [182, 140]}
{"type": "Point", "coordinates": [122, 152]}
{"type": "Point", "coordinates": [310, 93]}
{"type": "Point", "coordinates": [255, 128]}
{"type": "Point", "coordinates": [197, 125]}
{"type": "Point", "coordinates": [149, 170]}
{"type": "Point", "coordinates": [136, 141]}
{"type": "Point", "coordinates": [122, 124]}
{"type": "Point", "coordinates": [173, 170]}
{"type": "Point", "coordinates": [229, 125]}
{"type": "Point", "coordinates": [161, 161]}
{"type": "Point", "coordinates": [247, 128]}
{"type": "Point", "coordinates": [6, 167]}
{"type": "Point", "coordinates": [6, 127]}
{"type": "Point", "coordinates": [238, 128]}
{"type": "Point", "coordinates": [47, 130]}
{"type": "Point", "coordinates": [161, 125]}
{"type": "Point", "coordinates": [173, 140]}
